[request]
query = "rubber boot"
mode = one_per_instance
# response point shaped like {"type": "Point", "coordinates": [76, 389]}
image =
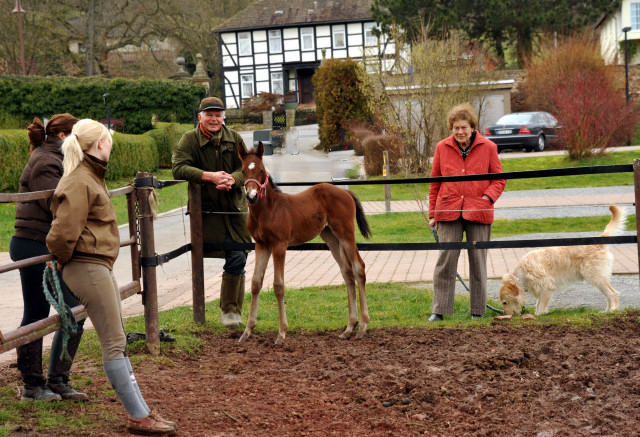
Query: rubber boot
{"type": "Point", "coordinates": [58, 379]}
{"type": "Point", "coordinates": [140, 420]}
{"type": "Point", "coordinates": [229, 300]}
{"type": "Point", "coordinates": [30, 367]}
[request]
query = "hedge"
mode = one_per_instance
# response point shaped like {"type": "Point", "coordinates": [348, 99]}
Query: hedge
{"type": "Point", "coordinates": [166, 137]}
{"type": "Point", "coordinates": [130, 154]}
{"type": "Point", "coordinates": [133, 101]}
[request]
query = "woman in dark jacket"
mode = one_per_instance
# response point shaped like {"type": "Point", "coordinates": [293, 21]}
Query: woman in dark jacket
{"type": "Point", "coordinates": [33, 221]}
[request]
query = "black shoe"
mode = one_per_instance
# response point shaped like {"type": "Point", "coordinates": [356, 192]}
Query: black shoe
{"type": "Point", "coordinates": [435, 318]}
{"type": "Point", "coordinates": [67, 392]}
{"type": "Point", "coordinates": [476, 316]}
{"type": "Point", "coordinates": [39, 393]}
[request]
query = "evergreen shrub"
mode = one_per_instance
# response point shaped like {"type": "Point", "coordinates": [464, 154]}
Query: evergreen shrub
{"type": "Point", "coordinates": [341, 91]}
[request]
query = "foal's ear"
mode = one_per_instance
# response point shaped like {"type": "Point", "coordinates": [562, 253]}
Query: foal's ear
{"type": "Point", "coordinates": [260, 149]}
{"type": "Point", "coordinates": [242, 151]}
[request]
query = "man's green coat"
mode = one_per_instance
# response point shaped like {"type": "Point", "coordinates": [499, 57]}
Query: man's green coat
{"type": "Point", "coordinates": [222, 210]}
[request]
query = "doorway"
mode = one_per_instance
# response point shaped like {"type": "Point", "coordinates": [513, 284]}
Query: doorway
{"type": "Point", "coordinates": [305, 85]}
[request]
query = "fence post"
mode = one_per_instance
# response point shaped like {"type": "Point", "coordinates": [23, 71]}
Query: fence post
{"type": "Point", "coordinates": [133, 233]}
{"type": "Point", "coordinates": [636, 184]}
{"type": "Point", "coordinates": [386, 176]}
{"type": "Point", "coordinates": [149, 280]}
{"type": "Point", "coordinates": [197, 251]}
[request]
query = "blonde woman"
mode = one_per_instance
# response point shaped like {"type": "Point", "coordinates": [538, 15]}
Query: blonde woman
{"type": "Point", "coordinates": [33, 221]}
{"type": "Point", "coordinates": [85, 240]}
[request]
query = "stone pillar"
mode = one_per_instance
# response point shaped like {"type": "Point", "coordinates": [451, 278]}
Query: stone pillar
{"type": "Point", "coordinates": [267, 119]}
{"type": "Point", "coordinates": [200, 75]}
{"type": "Point", "coordinates": [291, 118]}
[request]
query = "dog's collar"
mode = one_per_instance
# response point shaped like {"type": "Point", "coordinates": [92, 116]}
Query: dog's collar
{"type": "Point", "coordinates": [517, 279]}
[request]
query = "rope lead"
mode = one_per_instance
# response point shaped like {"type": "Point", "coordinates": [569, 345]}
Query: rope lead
{"type": "Point", "coordinates": [55, 297]}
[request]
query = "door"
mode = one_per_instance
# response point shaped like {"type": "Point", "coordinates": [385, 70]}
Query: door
{"type": "Point", "coordinates": [305, 85]}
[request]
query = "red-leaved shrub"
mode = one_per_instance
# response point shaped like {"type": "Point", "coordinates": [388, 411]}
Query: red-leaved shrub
{"type": "Point", "coordinates": [572, 82]}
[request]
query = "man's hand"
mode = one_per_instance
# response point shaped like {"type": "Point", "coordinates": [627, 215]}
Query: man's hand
{"type": "Point", "coordinates": [222, 180]}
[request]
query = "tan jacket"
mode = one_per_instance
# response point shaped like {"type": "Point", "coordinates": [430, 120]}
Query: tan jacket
{"type": "Point", "coordinates": [84, 225]}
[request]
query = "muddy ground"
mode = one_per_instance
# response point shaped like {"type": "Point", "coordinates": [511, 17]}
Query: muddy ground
{"type": "Point", "coordinates": [501, 380]}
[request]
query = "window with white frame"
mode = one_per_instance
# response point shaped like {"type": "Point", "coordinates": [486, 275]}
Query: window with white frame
{"type": "Point", "coordinates": [246, 81]}
{"type": "Point", "coordinates": [275, 41]}
{"type": "Point", "coordinates": [370, 39]}
{"type": "Point", "coordinates": [635, 15]}
{"type": "Point", "coordinates": [244, 44]}
{"type": "Point", "coordinates": [339, 37]}
{"type": "Point", "coordinates": [277, 83]}
{"type": "Point", "coordinates": [306, 36]}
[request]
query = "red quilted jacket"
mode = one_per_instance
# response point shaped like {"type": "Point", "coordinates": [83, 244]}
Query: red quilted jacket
{"type": "Point", "coordinates": [448, 199]}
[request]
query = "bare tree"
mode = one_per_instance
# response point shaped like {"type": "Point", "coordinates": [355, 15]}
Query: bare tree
{"type": "Point", "coordinates": [421, 84]}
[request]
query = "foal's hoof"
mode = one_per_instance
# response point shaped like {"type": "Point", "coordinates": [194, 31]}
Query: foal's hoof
{"type": "Point", "coordinates": [360, 334]}
{"type": "Point", "coordinates": [244, 336]}
{"type": "Point", "coordinates": [346, 335]}
{"type": "Point", "coordinates": [279, 341]}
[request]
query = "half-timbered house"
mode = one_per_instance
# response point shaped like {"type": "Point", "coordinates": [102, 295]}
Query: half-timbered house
{"type": "Point", "coordinates": [276, 45]}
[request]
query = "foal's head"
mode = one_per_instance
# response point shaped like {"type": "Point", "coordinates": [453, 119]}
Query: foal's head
{"type": "Point", "coordinates": [255, 174]}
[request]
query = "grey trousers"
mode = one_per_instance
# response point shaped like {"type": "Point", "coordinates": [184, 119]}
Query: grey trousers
{"type": "Point", "coordinates": [444, 275]}
{"type": "Point", "coordinates": [96, 288]}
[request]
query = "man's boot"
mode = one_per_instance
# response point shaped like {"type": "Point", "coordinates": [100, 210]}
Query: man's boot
{"type": "Point", "coordinates": [229, 315]}
{"type": "Point", "coordinates": [30, 367]}
{"type": "Point", "coordinates": [58, 379]}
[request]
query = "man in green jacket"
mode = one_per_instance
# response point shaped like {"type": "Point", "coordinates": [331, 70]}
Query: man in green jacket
{"type": "Point", "coordinates": [209, 155]}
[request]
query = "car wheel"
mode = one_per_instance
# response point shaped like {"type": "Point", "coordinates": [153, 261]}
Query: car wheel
{"type": "Point", "coordinates": [539, 147]}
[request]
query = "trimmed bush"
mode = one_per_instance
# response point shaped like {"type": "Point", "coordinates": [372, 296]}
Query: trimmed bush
{"type": "Point", "coordinates": [133, 101]}
{"type": "Point", "coordinates": [14, 153]}
{"type": "Point", "coordinates": [166, 137]}
{"type": "Point", "coordinates": [340, 88]}
{"type": "Point", "coordinates": [130, 154]}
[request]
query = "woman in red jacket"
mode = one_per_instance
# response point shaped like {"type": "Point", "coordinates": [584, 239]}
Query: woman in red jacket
{"type": "Point", "coordinates": [457, 208]}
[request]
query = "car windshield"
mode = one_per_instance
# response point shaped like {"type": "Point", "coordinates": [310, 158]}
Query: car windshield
{"type": "Point", "coordinates": [516, 118]}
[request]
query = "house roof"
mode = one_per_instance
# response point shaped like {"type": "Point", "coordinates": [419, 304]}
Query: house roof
{"type": "Point", "coordinates": [277, 13]}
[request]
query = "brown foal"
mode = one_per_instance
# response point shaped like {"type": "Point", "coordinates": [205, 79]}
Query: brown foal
{"type": "Point", "coordinates": [278, 220]}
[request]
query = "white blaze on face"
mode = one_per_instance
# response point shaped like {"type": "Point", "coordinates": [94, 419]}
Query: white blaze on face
{"type": "Point", "coordinates": [251, 195]}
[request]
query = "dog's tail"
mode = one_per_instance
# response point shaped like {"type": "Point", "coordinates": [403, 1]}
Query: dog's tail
{"type": "Point", "coordinates": [617, 223]}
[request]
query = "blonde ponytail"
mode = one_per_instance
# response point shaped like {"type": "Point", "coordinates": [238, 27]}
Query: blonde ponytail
{"type": "Point", "coordinates": [84, 135]}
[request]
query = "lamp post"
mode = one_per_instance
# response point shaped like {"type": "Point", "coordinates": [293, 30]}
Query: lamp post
{"type": "Point", "coordinates": [626, 70]}
{"type": "Point", "coordinates": [104, 100]}
{"type": "Point", "coordinates": [626, 62]}
{"type": "Point", "coordinates": [18, 10]}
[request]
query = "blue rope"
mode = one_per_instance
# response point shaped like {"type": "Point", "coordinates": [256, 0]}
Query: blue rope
{"type": "Point", "coordinates": [55, 297]}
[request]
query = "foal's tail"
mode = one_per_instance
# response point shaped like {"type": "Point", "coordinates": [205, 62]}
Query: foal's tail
{"type": "Point", "coordinates": [363, 225]}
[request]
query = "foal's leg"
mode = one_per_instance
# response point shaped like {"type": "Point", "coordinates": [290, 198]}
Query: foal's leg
{"type": "Point", "coordinates": [279, 254]}
{"type": "Point", "coordinates": [262, 259]}
{"type": "Point", "coordinates": [345, 268]}
{"type": "Point", "coordinates": [352, 256]}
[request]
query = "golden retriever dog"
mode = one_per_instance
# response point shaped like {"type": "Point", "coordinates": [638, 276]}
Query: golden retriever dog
{"type": "Point", "coordinates": [543, 271]}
